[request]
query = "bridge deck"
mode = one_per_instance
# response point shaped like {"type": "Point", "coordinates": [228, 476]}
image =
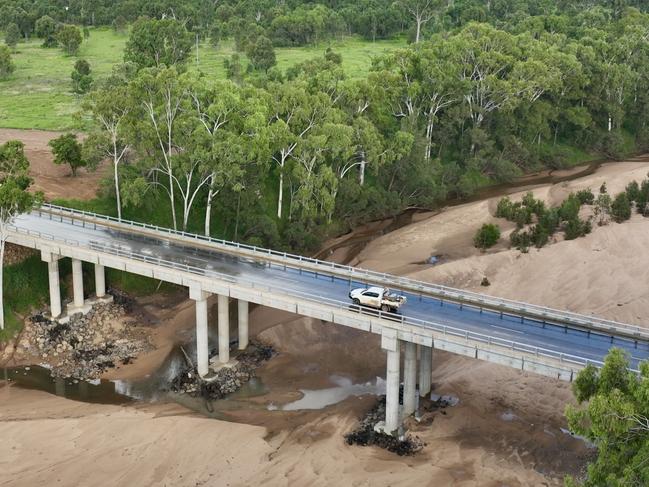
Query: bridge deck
{"type": "Point", "coordinates": [292, 280]}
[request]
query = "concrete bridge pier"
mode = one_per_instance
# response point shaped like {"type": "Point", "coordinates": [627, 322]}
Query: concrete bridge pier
{"type": "Point", "coordinates": [243, 324]}
{"type": "Point", "coordinates": [100, 281]}
{"type": "Point", "coordinates": [77, 283]}
{"type": "Point", "coordinates": [55, 290]}
{"type": "Point", "coordinates": [410, 379]}
{"type": "Point", "coordinates": [224, 328]}
{"type": "Point", "coordinates": [425, 369]}
{"type": "Point", "coordinates": [202, 343]}
{"type": "Point", "coordinates": [390, 343]}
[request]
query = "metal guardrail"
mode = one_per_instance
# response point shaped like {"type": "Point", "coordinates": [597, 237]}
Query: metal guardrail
{"type": "Point", "coordinates": [368, 276]}
{"type": "Point", "coordinates": [445, 330]}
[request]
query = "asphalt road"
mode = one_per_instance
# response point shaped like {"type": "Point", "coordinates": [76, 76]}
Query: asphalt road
{"type": "Point", "coordinates": [323, 287]}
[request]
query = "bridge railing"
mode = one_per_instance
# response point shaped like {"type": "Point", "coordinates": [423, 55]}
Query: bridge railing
{"type": "Point", "coordinates": [373, 277]}
{"type": "Point", "coordinates": [448, 331]}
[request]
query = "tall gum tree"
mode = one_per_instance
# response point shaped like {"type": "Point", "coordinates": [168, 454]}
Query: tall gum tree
{"type": "Point", "coordinates": [109, 108]}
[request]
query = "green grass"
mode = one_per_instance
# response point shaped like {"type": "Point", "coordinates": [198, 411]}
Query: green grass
{"type": "Point", "coordinates": [38, 94]}
{"type": "Point", "coordinates": [25, 286]}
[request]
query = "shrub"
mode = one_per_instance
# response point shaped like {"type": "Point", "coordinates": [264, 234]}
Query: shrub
{"type": "Point", "coordinates": [633, 191]}
{"type": "Point", "coordinates": [487, 236]}
{"type": "Point", "coordinates": [6, 64]}
{"type": "Point", "coordinates": [504, 208]}
{"type": "Point", "coordinates": [585, 196]}
{"type": "Point", "coordinates": [621, 208]}
{"type": "Point", "coordinates": [576, 228]}
{"type": "Point", "coordinates": [569, 209]}
{"type": "Point", "coordinates": [81, 78]}
{"type": "Point", "coordinates": [12, 35]}
{"type": "Point", "coordinates": [520, 240]}
{"type": "Point", "coordinates": [69, 36]}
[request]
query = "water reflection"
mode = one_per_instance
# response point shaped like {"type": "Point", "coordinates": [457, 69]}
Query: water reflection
{"type": "Point", "coordinates": [321, 398]}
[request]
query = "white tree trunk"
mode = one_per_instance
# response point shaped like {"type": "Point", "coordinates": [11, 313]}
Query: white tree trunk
{"type": "Point", "coordinates": [418, 30]}
{"type": "Point", "coordinates": [208, 211]}
{"type": "Point", "coordinates": [280, 198]}
{"type": "Point", "coordinates": [610, 123]}
{"type": "Point", "coordinates": [361, 172]}
{"type": "Point", "coordinates": [117, 190]}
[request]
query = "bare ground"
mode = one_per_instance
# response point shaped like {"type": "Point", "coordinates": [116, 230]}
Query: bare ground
{"type": "Point", "coordinates": [53, 180]}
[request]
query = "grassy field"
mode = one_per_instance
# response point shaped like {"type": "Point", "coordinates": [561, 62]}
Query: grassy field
{"type": "Point", "coordinates": [38, 94]}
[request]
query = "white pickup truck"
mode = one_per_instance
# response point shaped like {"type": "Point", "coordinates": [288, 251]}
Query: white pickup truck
{"type": "Point", "coordinates": [377, 297]}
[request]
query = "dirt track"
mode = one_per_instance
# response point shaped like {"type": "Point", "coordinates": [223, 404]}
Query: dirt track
{"type": "Point", "coordinates": [53, 180]}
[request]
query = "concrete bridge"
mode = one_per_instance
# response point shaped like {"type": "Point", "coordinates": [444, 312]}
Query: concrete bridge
{"type": "Point", "coordinates": [523, 336]}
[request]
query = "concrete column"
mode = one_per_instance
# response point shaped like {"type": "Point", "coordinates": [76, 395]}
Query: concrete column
{"type": "Point", "coordinates": [202, 345]}
{"type": "Point", "coordinates": [224, 328]}
{"type": "Point", "coordinates": [410, 379]}
{"type": "Point", "coordinates": [202, 342]}
{"type": "Point", "coordinates": [392, 382]}
{"type": "Point", "coordinates": [243, 324]}
{"type": "Point", "coordinates": [100, 281]}
{"type": "Point", "coordinates": [55, 289]}
{"type": "Point", "coordinates": [77, 283]}
{"type": "Point", "coordinates": [425, 369]}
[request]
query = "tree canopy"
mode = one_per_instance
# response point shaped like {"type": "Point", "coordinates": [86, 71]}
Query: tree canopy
{"type": "Point", "coordinates": [614, 415]}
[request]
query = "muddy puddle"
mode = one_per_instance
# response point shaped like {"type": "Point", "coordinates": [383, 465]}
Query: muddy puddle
{"type": "Point", "coordinates": [155, 388]}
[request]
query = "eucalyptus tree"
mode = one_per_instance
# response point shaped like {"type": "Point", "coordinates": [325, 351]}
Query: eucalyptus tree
{"type": "Point", "coordinates": [109, 108]}
{"type": "Point", "coordinates": [422, 11]}
{"type": "Point", "coordinates": [154, 43]}
{"type": "Point", "coordinates": [293, 114]}
{"type": "Point", "coordinates": [165, 126]}
{"type": "Point", "coordinates": [231, 134]}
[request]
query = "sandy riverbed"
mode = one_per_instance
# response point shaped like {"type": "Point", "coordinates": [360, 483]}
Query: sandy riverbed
{"type": "Point", "coordinates": [504, 431]}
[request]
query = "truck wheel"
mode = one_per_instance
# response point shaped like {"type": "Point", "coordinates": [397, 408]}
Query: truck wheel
{"type": "Point", "coordinates": [385, 308]}
{"type": "Point", "coordinates": [356, 302]}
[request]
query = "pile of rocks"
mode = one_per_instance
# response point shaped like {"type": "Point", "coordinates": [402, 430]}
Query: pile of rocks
{"type": "Point", "coordinates": [228, 379]}
{"type": "Point", "coordinates": [366, 435]}
{"type": "Point", "coordinates": [86, 346]}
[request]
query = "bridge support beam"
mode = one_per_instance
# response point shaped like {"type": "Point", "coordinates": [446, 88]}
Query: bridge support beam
{"type": "Point", "coordinates": [77, 283]}
{"type": "Point", "coordinates": [202, 343]}
{"type": "Point", "coordinates": [243, 324]}
{"type": "Point", "coordinates": [55, 289]}
{"type": "Point", "coordinates": [410, 379]}
{"type": "Point", "coordinates": [224, 328]}
{"type": "Point", "coordinates": [425, 369]}
{"type": "Point", "coordinates": [100, 281]}
{"type": "Point", "coordinates": [392, 381]}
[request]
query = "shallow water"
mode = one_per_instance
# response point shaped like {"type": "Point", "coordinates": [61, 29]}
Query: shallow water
{"type": "Point", "coordinates": [321, 398]}
{"type": "Point", "coordinates": [152, 388]}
